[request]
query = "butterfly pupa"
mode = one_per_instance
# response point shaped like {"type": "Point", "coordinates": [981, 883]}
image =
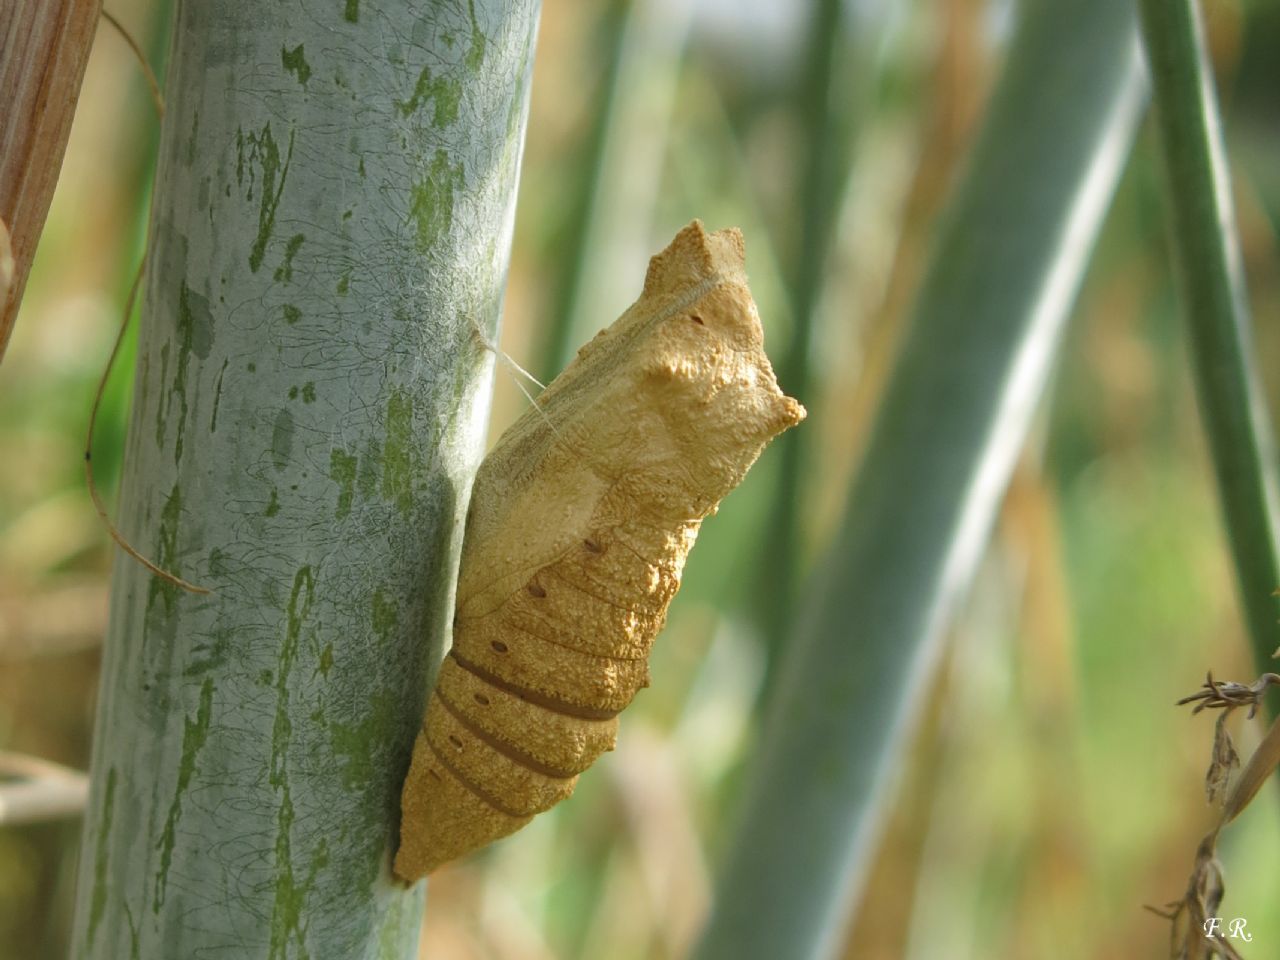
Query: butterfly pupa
{"type": "Point", "coordinates": [581, 519]}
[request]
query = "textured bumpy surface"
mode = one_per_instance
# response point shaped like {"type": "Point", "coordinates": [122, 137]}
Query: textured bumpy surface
{"type": "Point", "coordinates": [580, 522]}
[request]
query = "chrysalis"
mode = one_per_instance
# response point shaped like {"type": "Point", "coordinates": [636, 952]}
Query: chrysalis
{"type": "Point", "coordinates": [580, 522]}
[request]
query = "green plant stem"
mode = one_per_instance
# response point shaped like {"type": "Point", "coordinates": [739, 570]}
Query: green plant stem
{"type": "Point", "coordinates": [782, 563]}
{"type": "Point", "coordinates": [334, 197]}
{"type": "Point", "coordinates": [573, 249]}
{"type": "Point", "coordinates": [974, 363]}
{"type": "Point", "coordinates": [1214, 300]}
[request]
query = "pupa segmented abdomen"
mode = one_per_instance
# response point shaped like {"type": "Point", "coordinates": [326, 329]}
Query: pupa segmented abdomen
{"type": "Point", "coordinates": [528, 697]}
{"type": "Point", "coordinates": [581, 520]}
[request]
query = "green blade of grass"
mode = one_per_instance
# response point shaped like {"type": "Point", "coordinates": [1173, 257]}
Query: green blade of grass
{"type": "Point", "coordinates": [823, 141]}
{"type": "Point", "coordinates": [558, 338]}
{"type": "Point", "coordinates": [1207, 255]}
{"type": "Point", "coordinates": [1005, 268]}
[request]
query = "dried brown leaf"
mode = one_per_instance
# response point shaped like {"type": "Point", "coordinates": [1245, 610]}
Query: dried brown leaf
{"type": "Point", "coordinates": [1256, 772]}
{"type": "Point", "coordinates": [46, 48]}
{"type": "Point", "coordinates": [6, 262]}
{"type": "Point", "coordinates": [1225, 760]}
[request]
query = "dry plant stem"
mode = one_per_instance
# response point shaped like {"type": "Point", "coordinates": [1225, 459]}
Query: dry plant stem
{"type": "Point", "coordinates": [6, 261]}
{"type": "Point", "coordinates": [1205, 889]}
{"type": "Point", "coordinates": [1264, 760]}
{"type": "Point", "coordinates": [153, 85]}
{"type": "Point", "coordinates": [44, 47]}
{"type": "Point", "coordinates": [1203, 897]}
{"type": "Point", "coordinates": [1225, 760]}
{"type": "Point", "coordinates": [156, 98]}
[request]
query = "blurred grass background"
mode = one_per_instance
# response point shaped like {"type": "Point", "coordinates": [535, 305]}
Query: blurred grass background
{"type": "Point", "coordinates": [1054, 788]}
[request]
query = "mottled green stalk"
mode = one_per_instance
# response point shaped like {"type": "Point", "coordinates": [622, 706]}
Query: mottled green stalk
{"type": "Point", "coordinates": [1207, 254]}
{"type": "Point", "coordinates": [974, 363]}
{"type": "Point", "coordinates": [331, 224]}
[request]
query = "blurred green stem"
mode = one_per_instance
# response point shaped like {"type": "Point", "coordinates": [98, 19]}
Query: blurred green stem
{"type": "Point", "coordinates": [1207, 254]}
{"type": "Point", "coordinates": [634, 126]}
{"type": "Point", "coordinates": [1006, 263]}
{"type": "Point", "coordinates": [573, 248]}
{"type": "Point", "coordinates": [782, 560]}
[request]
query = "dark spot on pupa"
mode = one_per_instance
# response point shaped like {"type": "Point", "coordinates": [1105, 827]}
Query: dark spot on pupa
{"type": "Point", "coordinates": [536, 591]}
{"type": "Point", "coordinates": [592, 546]}
{"type": "Point", "coordinates": [432, 774]}
{"type": "Point", "coordinates": [455, 741]}
{"type": "Point", "coordinates": [482, 699]}
{"type": "Point", "coordinates": [499, 646]}
{"type": "Point", "coordinates": [697, 319]}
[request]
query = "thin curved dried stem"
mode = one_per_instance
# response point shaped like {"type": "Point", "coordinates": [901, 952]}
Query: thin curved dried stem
{"type": "Point", "coordinates": [94, 495]}
{"type": "Point", "coordinates": [152, 83]}
{"type": "Point", "coordinates": [158, 99]}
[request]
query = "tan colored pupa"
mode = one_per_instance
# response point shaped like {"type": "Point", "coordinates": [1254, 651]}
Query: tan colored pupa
{"type": "Point", "coordinates": [580, 522]}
